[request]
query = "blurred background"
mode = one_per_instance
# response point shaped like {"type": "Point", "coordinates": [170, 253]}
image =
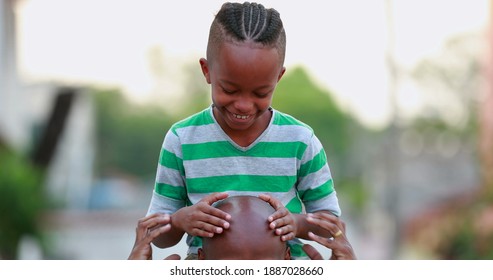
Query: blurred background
{"type": "Point", "coordinates": [399, 92]}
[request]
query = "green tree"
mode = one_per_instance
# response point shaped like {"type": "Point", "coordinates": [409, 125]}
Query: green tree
{"type": "Point", "coordinates": [129, 136]}
{"type": "Point", "coordinates": [338, 132]}
{"type": "Point", "coordinates": [462, 230]}
{"type": "Point", "coordinates": [300, 97]}
{"type": "Point", "coordinates": [21, 202]}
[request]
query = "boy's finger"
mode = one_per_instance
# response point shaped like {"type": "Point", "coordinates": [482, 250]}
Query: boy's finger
{"type": "Point", "coordinates": [201, 233]}
{"type": "Point", "coordinates": [276, 204]}
{"type": "Point", "coordinates": [216, 216]}
{"type": "Point", "coordinates": [216, 221]}
{"type": "Point", "coordinates": [279, 219]}
{"type": "Point", "coordinates": [288, 236]}
{"type": "Point", "coordinates": [284, 229]}
{"type": "Point", "coordinates": [210, 199]}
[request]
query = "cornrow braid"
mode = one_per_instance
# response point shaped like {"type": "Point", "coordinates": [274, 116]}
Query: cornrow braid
{"type": "Point", "coordinates": [236, 22]}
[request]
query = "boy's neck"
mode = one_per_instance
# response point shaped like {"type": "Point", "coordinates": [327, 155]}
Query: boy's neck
{"type": "Point", "coordinates": [245, 138]}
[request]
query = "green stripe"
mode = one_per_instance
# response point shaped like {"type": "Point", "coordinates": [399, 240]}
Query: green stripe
{"type": "Point", "coordinates": [297, 250]}
{"type": "Point", "coordinates": [196, 241]}
{"type": "Point", "coordinates": [253, 183]}
{"type": "Point", "coordinates": [201, 118]}
{"type": "Point", "coordinates": [285, 119]}
{"type": "Point", "coordinates": [314, 164]}
{"type": "Point", "coordinates": [170, 160]}
{"type": "Point", "coordinates": [318, 192]}
{"type": "Point", "coordinates": [174, 192]}
{"type": "Point", "coordinates": [225, 149]}
{"type": "Point", "coordinates": [294, 206]}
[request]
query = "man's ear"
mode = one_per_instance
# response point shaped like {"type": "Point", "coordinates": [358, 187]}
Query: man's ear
{"type": "Point", "coordinates": [201, 255]}
{"type": "Point", "coordinates": [283, 70]}
{"type": "Point", "coordinates": [204, 65]}
{"type": "Point", "coordinates": [287, 254]}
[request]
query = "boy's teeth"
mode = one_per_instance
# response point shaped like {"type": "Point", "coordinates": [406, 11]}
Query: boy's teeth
{"type": "Point", "coordinates": [240, 116]}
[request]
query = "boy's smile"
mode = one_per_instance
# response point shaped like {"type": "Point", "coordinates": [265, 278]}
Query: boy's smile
{"type": "Point", "coordinates": [243, 77]}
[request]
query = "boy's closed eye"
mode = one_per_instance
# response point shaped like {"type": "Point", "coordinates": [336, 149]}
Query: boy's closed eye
{"type": "Point", "coordinates": [228, 91]}
{"type": "Point", "coordinates": [262, 94]}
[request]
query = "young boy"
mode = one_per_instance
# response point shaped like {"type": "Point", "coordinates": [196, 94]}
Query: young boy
{"type": "Point", "coordinates": [240, 145]}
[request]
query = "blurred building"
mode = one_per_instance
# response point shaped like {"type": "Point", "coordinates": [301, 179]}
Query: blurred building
{"type": "Point", "coordinates": [26, 111]}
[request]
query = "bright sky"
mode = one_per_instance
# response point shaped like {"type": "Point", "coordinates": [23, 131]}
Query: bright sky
{"type": "Point", "coordinates": [341, 43]}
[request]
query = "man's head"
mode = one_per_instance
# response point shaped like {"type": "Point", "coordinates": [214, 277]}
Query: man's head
{"type": "Point", "coordinates": [249, 236]}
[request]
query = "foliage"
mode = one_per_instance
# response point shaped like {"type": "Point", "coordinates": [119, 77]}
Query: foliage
{"type": "Point", "coordinates": [463, 231]}
{"type": "Point", "coordinates": [300, 97]}
{"type": "Point", "coordinates": [129, 136]}
{"type": "Point", "coordinates": [21, 202]}
{"type": "Point", "coordinates": [453, 80]}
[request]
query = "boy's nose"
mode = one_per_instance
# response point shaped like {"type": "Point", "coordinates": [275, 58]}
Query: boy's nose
{"type": "Point", "coordinates": [243, 105]}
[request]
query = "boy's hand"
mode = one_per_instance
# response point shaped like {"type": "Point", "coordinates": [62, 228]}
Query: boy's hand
{"type": "Point", "coordinates": [281, 220]}
{"type": "Point", "coordinates": [201, 219]}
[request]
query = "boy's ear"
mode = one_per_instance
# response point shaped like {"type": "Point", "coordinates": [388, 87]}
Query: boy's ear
{"type": "Point", "coordinates": [204, 65]}
{"type": "Point", "coordinates": [281, 73]}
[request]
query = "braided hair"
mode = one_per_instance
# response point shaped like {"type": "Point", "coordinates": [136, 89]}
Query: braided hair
{"type": "Point", "coordinates": [247, 22]}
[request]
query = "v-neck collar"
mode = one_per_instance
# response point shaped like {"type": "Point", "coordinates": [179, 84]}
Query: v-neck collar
{"type": "Point", "coordinates": [232, 142]}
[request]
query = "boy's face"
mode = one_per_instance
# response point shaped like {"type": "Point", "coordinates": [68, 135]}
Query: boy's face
{"type": "Point", "coordinates": [243, 78]}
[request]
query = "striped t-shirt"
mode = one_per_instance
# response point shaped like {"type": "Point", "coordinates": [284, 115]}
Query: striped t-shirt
{"type": "Point", "coordinates": [287, 161]}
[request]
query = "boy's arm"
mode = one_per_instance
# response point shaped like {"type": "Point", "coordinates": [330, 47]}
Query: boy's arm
{"type": "Point", "coordinates": [168, 239]}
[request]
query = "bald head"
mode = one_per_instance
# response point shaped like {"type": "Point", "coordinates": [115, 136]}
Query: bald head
{"type": "Point", "coordinates": [249, 236]}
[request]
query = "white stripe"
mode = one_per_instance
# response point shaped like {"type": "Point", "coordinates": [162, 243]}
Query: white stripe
{"type": "Point", "coordinates": [165, 175]}
{"type": "Point", "coordinates": [314, 179]}
{"type": "Point", "coordinates": [200, 134]}
{"type": "Point", "coordinates": [163, 204]}
{"type": "Point", "coordinates": [312, 150]}
{"type": "Point", "coordinates": [240, 166]}
{"type": "Point", "coordinates": [329, 203]}
{"type": "Point", "coordinates": [288, 133]}
{"type": "Point", "coordinates": [213, 133]}
{"type": "Point", "coordinates": [171, 143]}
